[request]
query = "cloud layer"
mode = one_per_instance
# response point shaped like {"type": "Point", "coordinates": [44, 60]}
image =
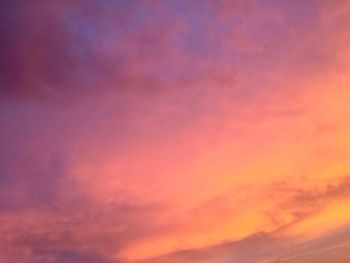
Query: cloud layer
{"type": "Point", "coordinates": [174, 131]}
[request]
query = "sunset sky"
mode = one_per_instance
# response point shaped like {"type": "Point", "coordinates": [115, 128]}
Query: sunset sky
{"type": "Point", "coordinates": [174, 131]}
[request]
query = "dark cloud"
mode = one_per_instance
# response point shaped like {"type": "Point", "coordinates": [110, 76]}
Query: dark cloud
{"type": "Point", "coordinates": [64, 256]}
{"type": "Point", "coordinates": [35, 182]}
{"type": "Point", "coordinates": [43, 210]}
{"type": "Point", "coordinates": [316, 197]}
{"type": "Point", "coordinates": [92, 231]}
{"type": "Point", "coordinates": [73, 49]}
{"type": "Point", "coordinates": [266, 247]}
{"type": "Point", "coordinates": [303, 203]}
{"type": "Point", "coordinates": [333, 247]}
{"type": "Point", "coordinates": [76, 49]}
{"type": "Point", "coordinates": [76, 257]}
{"type": "Point", "coordinates": [248, 250]}
{"type": "Point", "coordinates": [330, 191]}
{"type": "Point", "coordinates": [227, 8]}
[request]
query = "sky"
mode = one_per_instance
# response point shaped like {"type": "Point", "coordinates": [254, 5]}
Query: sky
{"type": "Point", "coordinates": [167, 131]}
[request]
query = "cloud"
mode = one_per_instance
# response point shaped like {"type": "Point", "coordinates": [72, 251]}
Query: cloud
{"type": "Point", "coordinates": [332, 247]}
{"type": "Point", "coordinates": [72, 50]}
{"type": "Point", "coordinates": [310, 201]}
{"type": "Point", "coordinates": [254, 245]}
{"type": "Point", "coordinates": [83, 232]}
{"type": "Point", "coordinates": [267, 247]}
{"type": "Point", "coordinates": [36, 181]}
{"type": "Point", "coordinates": [48, 217]}
{"type": "Point", "coordinates": [205, 131]}
{"type": "Point", "coordinates": [74, 257]}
